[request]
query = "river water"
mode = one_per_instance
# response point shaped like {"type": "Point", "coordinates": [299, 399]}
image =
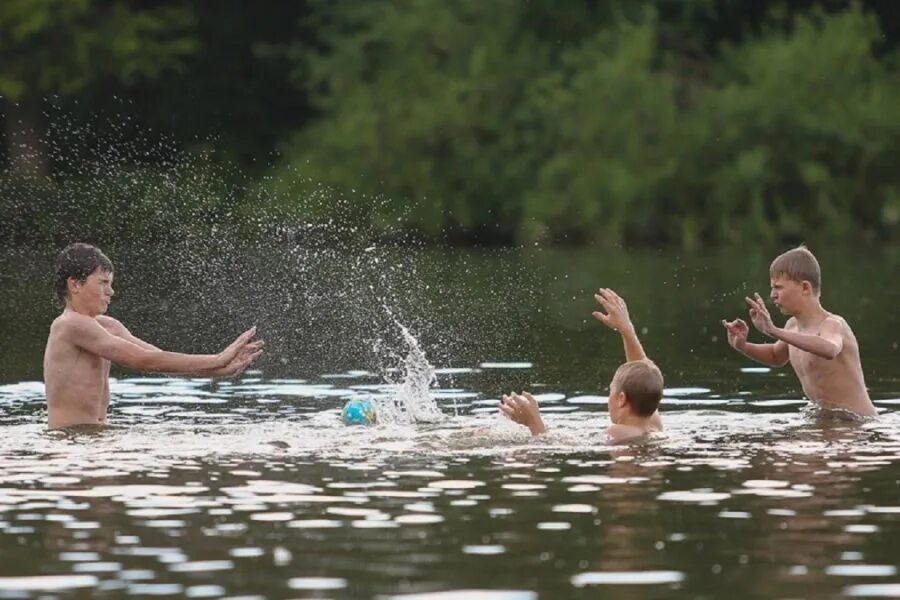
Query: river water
{"type": "Point", "coordinates": [253, 488]}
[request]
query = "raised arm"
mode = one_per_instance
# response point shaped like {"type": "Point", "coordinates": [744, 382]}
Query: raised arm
{"type": "Point", "coordinates": [250, 352]}
{"type": "Point", "coordinates": [773, 355]}
{"type": "Point", "coordinates": [827, 344]}
{"type": "Point", "coordinates": [118, 329]}
{"type": "Point", "coordinates": [616, 318]}
{"type": "Point", "coordinates": [87, 333]}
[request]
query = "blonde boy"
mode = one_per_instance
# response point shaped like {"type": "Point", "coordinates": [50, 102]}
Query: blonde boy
{"type": "Point", "coordinates": [635, 391]}
{"type": "Point", "coordinates": [819, 345]}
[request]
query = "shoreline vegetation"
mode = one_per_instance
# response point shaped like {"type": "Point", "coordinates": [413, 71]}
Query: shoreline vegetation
{"type": "Point", "coordinates": [684, 125]}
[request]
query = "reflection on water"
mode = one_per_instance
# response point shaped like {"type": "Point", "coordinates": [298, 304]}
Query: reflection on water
{"type": "Point", "coordinates": [255, 488]}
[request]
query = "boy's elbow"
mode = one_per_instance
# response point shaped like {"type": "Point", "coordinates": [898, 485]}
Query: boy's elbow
{"type": "Point", "coordinates": [832, 351]}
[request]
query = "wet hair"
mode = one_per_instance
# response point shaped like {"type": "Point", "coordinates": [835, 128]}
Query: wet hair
{"type": "Point", "coordinates": [642, 383]}
{"type": "Point", "coordinates": [798, 264]}
{"type": "Point", "coordinates": [78, 260]}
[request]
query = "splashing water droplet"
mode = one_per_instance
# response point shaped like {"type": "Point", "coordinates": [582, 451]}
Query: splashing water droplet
{"type": "Point", "coordinates": [412, 401]}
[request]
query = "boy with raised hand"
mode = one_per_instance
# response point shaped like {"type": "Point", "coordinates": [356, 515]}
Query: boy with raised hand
{"type": "Point", "coordinates": [634, 393]}
{"type": "Point", "coordinates": [83, 342]}
{"type": "Point", "coordinates": [819, 345]}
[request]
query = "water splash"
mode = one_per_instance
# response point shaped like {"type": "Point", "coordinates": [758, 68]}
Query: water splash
{"type": "Point", "coordinates": [198, 241]}
{"type": "Point", "coordinates": [412, 400]}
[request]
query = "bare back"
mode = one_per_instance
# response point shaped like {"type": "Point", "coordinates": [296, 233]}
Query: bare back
{"type": "Point", "coordinates": [76, 381]}
{"type": "Point", "coordinates": [835, 383]}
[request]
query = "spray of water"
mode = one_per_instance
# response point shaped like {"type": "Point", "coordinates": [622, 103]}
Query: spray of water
{"type": "Point", "coordinates": [203, 250]}
{"type": "Point", "coordinates": [411, 400]}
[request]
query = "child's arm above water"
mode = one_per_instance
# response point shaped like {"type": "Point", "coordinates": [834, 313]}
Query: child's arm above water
{"type": "Point", "coordinates": [774, 355]}
{"type": "Point", "coordinates": [523, 409]}
{"type": "Point", "coordinates": [827, 344]}
{"type": "Point", "coordinates": [617, 319]}
{"type": "Point", "coordinates": [235, 367]}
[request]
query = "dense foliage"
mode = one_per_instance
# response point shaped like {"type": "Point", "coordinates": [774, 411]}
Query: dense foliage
{"type": "Point", "coordinates": [666, 122]}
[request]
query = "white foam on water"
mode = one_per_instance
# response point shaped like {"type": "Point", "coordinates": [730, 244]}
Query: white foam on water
{"type": "Point", "coordinates": [412, 399]}
{"type": "Point", "coordinates": [317, 583]}
{"type": "Point", "coordinates": [627, 578]}
{"type": "Point", "coordinates": [47, 583]}
{"type": "Point", "coordinates": [861, 570]}
{"type": "Point", "coordinates": [873, 590]}
{"type": "Point", "coordinates": [466, 595]}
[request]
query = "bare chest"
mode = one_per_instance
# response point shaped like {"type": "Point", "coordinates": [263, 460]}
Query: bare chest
{"type": "Point", "coordinates": [819, 376]}
{"type": "Point", "coordinates": [72, 369]}
{"type": "Point", "coordinates": [805, 363]}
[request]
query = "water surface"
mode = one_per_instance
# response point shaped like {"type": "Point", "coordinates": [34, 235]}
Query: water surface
{"type": "Point", "coordinates": [254, 488]}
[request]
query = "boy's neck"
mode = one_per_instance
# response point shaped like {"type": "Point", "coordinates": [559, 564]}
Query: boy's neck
{"type": "Point", "coordinates": [71, 307]}
{"type": "Point", "coordinates": [811, 314]}
{"type": "Point", "coordinates": [637, 421]}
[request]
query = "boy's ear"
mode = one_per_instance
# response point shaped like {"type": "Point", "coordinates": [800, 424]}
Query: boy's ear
{"type": "Point", "coordinates": [806, 287]}
{"type": "Point", "coordinates": [621, 400]}
{"type": "Point", "coordinates": [72, 285]}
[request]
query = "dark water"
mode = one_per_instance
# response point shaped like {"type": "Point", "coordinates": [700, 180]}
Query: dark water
{"type": "Point", "coordinates": [253, 488]}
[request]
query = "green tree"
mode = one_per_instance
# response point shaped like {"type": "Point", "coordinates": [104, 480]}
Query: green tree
{"type": "Point", "coordinates": [803, 130]}
{"type": "Point", "coordinates": [60, 47]}
{"type": "Point", "coordinates": [617, 131]}
{"type": "Point", "coordinates": [604, 119]}
{"type": "Point", "coordinates": [424, 102]}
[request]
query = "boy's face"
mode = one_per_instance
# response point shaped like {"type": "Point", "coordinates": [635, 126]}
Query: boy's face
{"type": "Point", "coordinates": [94, 294]}
{"type": "Point", "coordinates": [788, 294]}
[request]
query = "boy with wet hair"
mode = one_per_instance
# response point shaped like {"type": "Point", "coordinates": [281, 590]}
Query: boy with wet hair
{"type": "Point", "coordinates": [819, 344]}
{"type": "Point", "coordinates": [83, 342]}
{"type": "Point", "coordinates": [634, 393]}
{"type": "Point", "coordinates": [79, 261]}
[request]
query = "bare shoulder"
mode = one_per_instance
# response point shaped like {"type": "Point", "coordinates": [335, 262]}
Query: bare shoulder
{"type": "Point", "coordinates": [838, 319]}
{"type": "Point", "coordinates": [836, 323]}
{"type": "Point", "coordinates": [69, 321]}
{"type": "Point", "coordinates": [791, 324]}
{"type": "Point", "coordinates": [112, 325]}
{"type": "Point", "coordinates": [73, 324]}
{"type": "Point", "coordinates": [618, 434]}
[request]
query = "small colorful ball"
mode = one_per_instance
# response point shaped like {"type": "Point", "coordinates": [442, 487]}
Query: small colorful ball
{"type": "Point", "coordinates": [359, 411]}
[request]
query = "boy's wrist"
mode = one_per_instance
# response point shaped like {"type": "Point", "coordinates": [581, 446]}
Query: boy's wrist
{"type": "Point", "coordinates": [627, 330]}
{"type": "Point", "coordinates": [537, 426]}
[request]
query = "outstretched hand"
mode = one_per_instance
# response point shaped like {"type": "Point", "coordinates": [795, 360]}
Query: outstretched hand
{"type": "Point", "coordinates": [523, 409]}
{"type": "Point", "coordinates": [244, 359]}
{"type": "Point", "coordinates": [737, 332]}
{"type": "Point", "coordinates": [231, 352]}
{"type": "Point", "coordinates": [760, 316]}
{"type": "Point", "coordinates": [616, 316]}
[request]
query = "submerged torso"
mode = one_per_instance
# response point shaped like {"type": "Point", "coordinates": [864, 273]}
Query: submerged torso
{"type": "Point", "coordinates": [835, 383]}
{"type": "Point", "coordinates": [76, 382]}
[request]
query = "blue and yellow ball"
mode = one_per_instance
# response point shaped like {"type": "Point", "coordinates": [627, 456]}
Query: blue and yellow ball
{"type": "Point", "coordinates": [359, 411]}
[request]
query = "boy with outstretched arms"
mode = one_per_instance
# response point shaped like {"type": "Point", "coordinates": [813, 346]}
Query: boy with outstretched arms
{"type": "Point", "coordinates": [83, 342]}
{"type": "Point", "coordinates": [634, 393]}
{"type": "Point", "coordinates": [819, 345]}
